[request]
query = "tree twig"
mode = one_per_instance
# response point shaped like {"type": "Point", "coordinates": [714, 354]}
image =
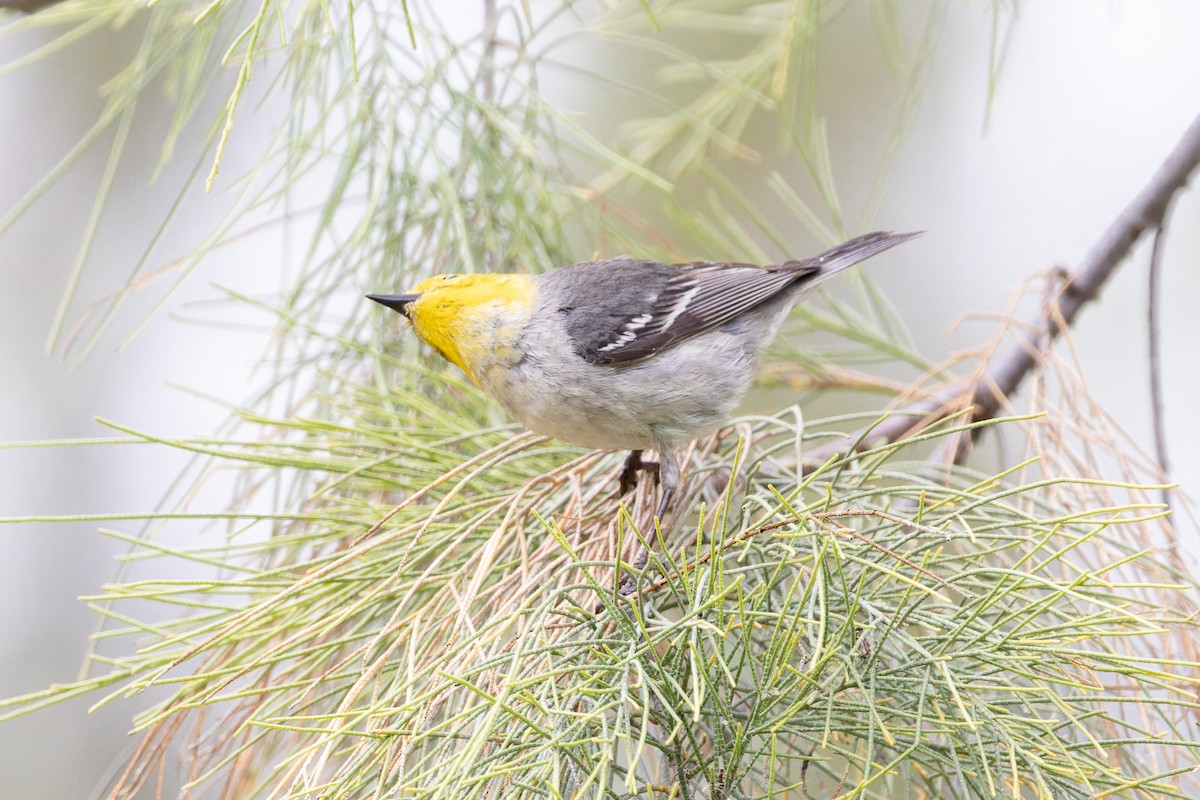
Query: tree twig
{"type": "Point", "coordinates": [1156, 397]}
{"type": "Point", "coordinates": [1008, 368]}
{"type": "Point", "coordinates": [487, 65]}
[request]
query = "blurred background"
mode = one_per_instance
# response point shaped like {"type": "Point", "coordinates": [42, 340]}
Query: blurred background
{"type": "Point", "coordinates": [1088, 100]}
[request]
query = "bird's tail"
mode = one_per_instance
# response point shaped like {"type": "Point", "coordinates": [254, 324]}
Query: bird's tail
{"type": "Point", "coordinates": [847, 254]}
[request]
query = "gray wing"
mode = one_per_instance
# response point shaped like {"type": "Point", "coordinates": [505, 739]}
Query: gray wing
{"type": "Point", "coordinates": [622, 310]}
{"type": "Point", "coordinates": [619, 311]}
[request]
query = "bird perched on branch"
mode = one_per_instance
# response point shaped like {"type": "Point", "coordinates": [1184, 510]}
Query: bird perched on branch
{"type": "Point", "coordinates": [623, 354]}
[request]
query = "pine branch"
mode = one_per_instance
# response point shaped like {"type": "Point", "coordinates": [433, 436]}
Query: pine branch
{"type": "Point", "coordinates": [1008, 368]}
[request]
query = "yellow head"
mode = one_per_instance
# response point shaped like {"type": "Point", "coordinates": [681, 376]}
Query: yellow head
{"type": "Point", "coordinates": [471, 320]}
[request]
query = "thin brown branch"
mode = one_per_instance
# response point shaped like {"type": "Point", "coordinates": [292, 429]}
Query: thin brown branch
{"type": "Point", "coordinates": [487, 66]}
{"type": "Point", "coordinates": [1156, 395]}
{"type": "Point", "coordinates": [1008, 368]}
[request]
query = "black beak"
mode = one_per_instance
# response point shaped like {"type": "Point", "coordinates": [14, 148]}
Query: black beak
{"type": "Point", "coordinates": [396, 302]}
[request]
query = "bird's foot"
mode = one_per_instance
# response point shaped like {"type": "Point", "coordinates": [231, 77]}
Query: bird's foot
{"type": "Point", "coordinates": [628, 582]}
{"type": "Point", "coordinates": [666, 473]}
{"type": "Point", "coordinates": [629, 472]}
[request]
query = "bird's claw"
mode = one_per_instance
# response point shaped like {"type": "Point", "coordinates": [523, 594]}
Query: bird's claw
{"type": "Point", "coordinates": [629, 472]}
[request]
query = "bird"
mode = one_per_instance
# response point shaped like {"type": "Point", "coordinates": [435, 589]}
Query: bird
{"type": "Point", "coordinates": [621, 354]}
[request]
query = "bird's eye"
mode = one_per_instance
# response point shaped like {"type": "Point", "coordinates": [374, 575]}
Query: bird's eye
{"type": "Point", "coordinates": [449, 277]}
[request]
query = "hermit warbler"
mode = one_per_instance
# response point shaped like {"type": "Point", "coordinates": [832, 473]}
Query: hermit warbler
{"type": "Point", "coordinates": [621, 353]}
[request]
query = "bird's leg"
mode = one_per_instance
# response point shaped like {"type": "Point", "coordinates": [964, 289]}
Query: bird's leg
{"type": "Point", "coordinates": [629, 473]}
{"type": "Point", "coordinates": [668, 479]}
